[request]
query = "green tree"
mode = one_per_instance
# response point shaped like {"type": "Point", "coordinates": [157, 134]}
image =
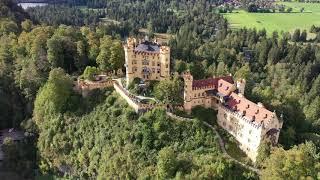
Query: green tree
{"type": "Point", "coordinates": [301, 161]}
{"type": "Point", "coordinates": [303, 36]}
{"type": "Point", "coordinates": [296, 36]}
{"type": "Point", "coordinates": [27, 25]}
{"type": "Point", "coordinates": [169, 91]}
{"type": "Point", "coordinates": [312, 111]}
{"type": "Point", "coordinates": [90, 72]}
{"type": "Point", "coordinates": [167, 163]}
{"type": "Point", "coordinates": [243, 73]}
{"type": "Point", "coordinates": [221, 69]}
{"type": "Point", "coordinates": [53, 96]}
{"type": "Point", "coordinates": [264, 151]}
{"type": "Point", "coordinates": [103, 59]}
{"type": "Point", "coordinates": [180, 66]}
{"type": "Point", "coordinates": [117, 56]}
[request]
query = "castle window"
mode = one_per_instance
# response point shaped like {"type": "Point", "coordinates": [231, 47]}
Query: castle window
{"type": "Point", "coordinates": [167, 65]}
{"type": "Point", "coordinates": [230, 128]}
{"type": "Point", "coordinates": [158, 70]}
{"type": "Point", "coordinates": [225, 115]}
{"type": "Point", "coordinates": [199, 95]}
{"type": "Point", "coordinates": [153, 70]}
{"type": "Point", "coordinates": [153, 63]}
{"type": "Point", "coordinates": [202, 94]}
{"type": "Point", "coordinates": [145, 62]}
{"type": "Point", "coordinates": [158, 64]}
{"type": "Point", "coordinates": [224, 123]}
{"type": "Point", "coordinates": [250, 131]}
{"type": "Point", "coordinates": [217, 101]}
{"type": "Point", "coordinates": [195, 95]}
{"type": "Point", "coordinates": [248, 106]}
{"type": "Point", "coordinates": [167, 59]}
{"type": "Point", "coordinates": [249, 140]}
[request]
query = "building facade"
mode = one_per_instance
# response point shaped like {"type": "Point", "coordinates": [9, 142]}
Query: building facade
{"type": "Point", "coordinates": [146, 60]}
{"type": "Point", "coordinates": [248, 122]}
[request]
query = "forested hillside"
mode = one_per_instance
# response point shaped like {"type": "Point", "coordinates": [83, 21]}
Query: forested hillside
{"type": "Point", "coordinates": [113, 142]}
{"type": "Point", "coordinates": [101, 137]}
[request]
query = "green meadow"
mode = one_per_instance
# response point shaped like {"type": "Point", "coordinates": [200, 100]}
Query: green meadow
{"type": "Point", "coordinates": [278, 21]}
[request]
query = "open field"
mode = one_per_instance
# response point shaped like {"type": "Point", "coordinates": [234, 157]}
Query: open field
{"type": "Point", "coordinates": [278, 21]}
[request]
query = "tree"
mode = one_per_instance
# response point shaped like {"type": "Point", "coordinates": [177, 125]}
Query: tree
{"type": "Point", "coordinates": [296, 35]}
{"type": "Point", "coordinates": [197, 70]}
{"type": "Point", "coordinates": [169, 91]}
{"type": "Point", "coordinates": [117, 56]}
{"type": "Point", "coordinates": [90, 72]}
{"type": "Point", "coordinates": [264, 151]}
{"type": "Point", "coordinates": [312, 111]}
{"type": "Point", "coordinates": [7, 27]}
{"type": "Point", "coordinates": [243, 72]}
{"type": "Point", "coordinates": [303, 36]}
{"type": "Point", "coordinates": [221, 69]}
{"type": "Point", "coordinates": [180, 66]}
{"type": "Point", "coordinates": [27, 25]}
{"type": "Point", "coordinates": [167, 163]}
{"type": "Point", "coordinates": [103, 59]}
{"type": "Point", "coordinates": [53, 96]}
{"type": "Point", "coordinates": [301, 161]}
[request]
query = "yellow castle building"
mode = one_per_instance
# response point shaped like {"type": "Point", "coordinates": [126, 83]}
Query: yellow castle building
{"type": "Point", "coordinates": [146, 60]}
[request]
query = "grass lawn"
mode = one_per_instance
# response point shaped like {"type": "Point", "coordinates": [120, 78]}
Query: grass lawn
{"type": "Point", "coordinates": [278, 21]}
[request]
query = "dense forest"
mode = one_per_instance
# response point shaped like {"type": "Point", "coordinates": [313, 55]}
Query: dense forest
{"type": "Point", "coordinates": [43, 49]}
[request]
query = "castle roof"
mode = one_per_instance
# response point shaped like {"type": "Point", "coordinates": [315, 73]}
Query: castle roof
{"type": "Point", "coordinates": [252, 111]}
{"type": "Point", "coordinates": [148, 47]}
{"type": "Point", "coordinates": [221, 83]}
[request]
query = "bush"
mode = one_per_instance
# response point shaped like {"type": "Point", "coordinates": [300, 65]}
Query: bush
{"type": "Point", "coordinates": [90, 72]}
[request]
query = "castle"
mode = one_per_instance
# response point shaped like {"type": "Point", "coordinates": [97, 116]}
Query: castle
{"type": "Point", "coordinates": [248, 122]}
{"type": "Point", "coordinates": [146, 60]}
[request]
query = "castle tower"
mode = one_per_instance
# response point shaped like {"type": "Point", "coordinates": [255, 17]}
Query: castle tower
{"type": "Point", "coordinates": [129, 53]}
{"type": "Point", "coordinates": [188, 80]}
{"type": "Point", "coordinates": [165, 62]}
{"type": "Point", "coordinates": [241, 85]}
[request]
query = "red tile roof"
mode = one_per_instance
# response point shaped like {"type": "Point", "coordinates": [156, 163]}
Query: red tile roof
{"type": "Point", "coordinates": [213, 82]}
{"type": "Point", "coordinates": [250, 110]}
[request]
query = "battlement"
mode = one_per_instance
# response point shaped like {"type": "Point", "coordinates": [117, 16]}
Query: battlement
{"type": "Point", "coordinates": [243, 118]}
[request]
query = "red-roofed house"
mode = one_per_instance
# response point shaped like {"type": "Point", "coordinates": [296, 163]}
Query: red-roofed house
{"type": "Point", "coordinates": [247, 121]}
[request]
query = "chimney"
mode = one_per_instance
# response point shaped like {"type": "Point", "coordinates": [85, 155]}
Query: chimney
{"type": "Point", "coordinates": [260, 105]}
